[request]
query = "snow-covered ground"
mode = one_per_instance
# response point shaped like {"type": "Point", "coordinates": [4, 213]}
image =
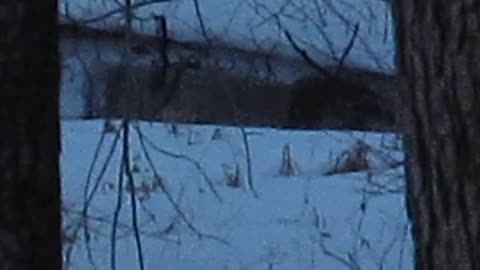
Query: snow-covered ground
{"type": "Point", "coordinates": [306, 221]}
{"type": "Point", "coordinates": [311, 220]}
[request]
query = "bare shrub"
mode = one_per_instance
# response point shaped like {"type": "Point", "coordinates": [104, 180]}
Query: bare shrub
{"type": "Point", "coordinates": [234, 178]}
{"type": "Point", "coordinates": [288, 166]}
{"type": "Point", "coordinates": [353, 159]}
{"type": "Point", "coordinates": [217, 134]}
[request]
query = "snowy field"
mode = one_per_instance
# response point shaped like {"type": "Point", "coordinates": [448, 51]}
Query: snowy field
{"type": "Point", "coordinates": [205, 199]}
{"type": "Point", "coordinates": [195, 209]}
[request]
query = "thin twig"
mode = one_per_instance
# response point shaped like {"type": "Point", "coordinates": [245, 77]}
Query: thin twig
{"type": "Point", "coordinates": [92, 165]}
{"type": "Point", "coordinates": [90, 197]}
{"type": "Point", "coordinates": [198, 13]}
{"type": "Point", "coordinates": [347, 49]}
{"type": "Point", "coordinates": [126, 148]}
{"type": "Point", "coordinates": [195, 163]}
{"type": "Point", "coordinates": [113, 12]}
{"type": "Point", "coordinates": [116, 215]}
{"type": "Point", "coordinates": [346, 262]}
{"type": "Point", "coordinates": [105, 220]}
{"type": "Point", "coordinates": [85, 198]}
{"type": "Point", "coordinates": [338, 258]}
{"type": "Point", "coordinates": [403, 242]}
{"type": "Point", "coordinates": [389, 248]}
{"type": "Point", "coordinates": [169, 196]}
{"type": "Point", "coordinates": [306, 57]}
{"type": "Point", "coordinates": [89, 96]}
{"type": "Point", "coordinates": [131, 183]}
{"type": "Point", "coordinates": [249, 162]}
{"type": "Point", "coordinates": [163, 46]}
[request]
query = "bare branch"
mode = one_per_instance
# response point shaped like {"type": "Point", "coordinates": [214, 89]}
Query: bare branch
{"type": "Point", "coordinates": [113, 12]}
{"type": "Point", "coordinates": [347, 50]}
{"type": "Point", "coordinates": [91, 195]}
{"type": "Point", "coordinates": [131, 183]}
{"type": "Point", "coordinates": [306, 57]}
{"type": "Point", "coordinates": [116, 215]}
{"type": "Point", "coordinates": [169, 196]}
{"type": "Point", "coordinates": [163, 47]}
{"type": "Point", "coordinates": [198, 13]}
{"type": "Point", "coordinates": [143, 138]}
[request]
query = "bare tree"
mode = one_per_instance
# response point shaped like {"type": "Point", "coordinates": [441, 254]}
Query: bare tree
{"type": "Point", "coordinates": [438, 57]}
{"type": "Point", "coordinates": [30, 236]}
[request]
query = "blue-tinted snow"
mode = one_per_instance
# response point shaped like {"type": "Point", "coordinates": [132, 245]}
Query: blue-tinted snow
{"type": "Point", "coordinates": [287, 227]}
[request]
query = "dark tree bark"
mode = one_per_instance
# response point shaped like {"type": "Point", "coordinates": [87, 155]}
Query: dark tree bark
{"type": "Point", "coordinates": [30, 235]}
{"type": "Point", "coordinates": [438, 54]}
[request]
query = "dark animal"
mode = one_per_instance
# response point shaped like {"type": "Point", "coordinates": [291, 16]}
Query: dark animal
{"type": "Point", "coordinates": [318, 102]}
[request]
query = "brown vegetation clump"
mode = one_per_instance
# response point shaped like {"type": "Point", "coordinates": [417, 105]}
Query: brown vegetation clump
{"type": "Point", "coordinates": [354, 159]}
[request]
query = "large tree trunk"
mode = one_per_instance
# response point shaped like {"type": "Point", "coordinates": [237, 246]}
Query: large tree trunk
{"type": "Point", "coordinates": [29, 136]}
{"type": "Point", "coordinates": [438, 53]}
